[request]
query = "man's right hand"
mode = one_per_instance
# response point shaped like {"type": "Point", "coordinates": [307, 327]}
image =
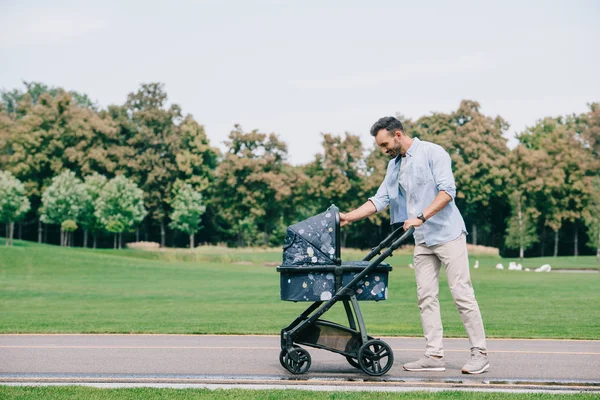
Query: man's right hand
{"type": "Point", "coordinates": [344, 219]}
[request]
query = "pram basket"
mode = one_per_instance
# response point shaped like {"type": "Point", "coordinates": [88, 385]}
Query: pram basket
{"type": "Point", "coordinates": [312, 270]}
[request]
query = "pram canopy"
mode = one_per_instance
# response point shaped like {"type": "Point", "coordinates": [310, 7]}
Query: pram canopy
{"type": "Point", "coordinates": [314, 241]}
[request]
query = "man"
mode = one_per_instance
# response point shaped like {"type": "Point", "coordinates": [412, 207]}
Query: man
{"type": "Point", "coordinates": [419, 189]}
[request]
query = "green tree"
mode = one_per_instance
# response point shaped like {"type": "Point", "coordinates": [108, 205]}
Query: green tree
{"type": "Point", "coordinates": [567, 174]}
{"type": "Point", "coordinates": [252, 186]}
{"type": "Point", "coordinates": [592, 217]}
{"type": "Point", "coordinates": [162, 146]}
{"type": "Point", "coordinates": [54, 134]}
{"type": "Point", "coordinates": [120, 207]}
{"type": "Point", "coordinates": [63, 200]}
{"type": "Point", "coordinates": [338, 175]}
{"type": "Point", "coordinates": [13, 203]}
{"type": "Point", "coordinates": [94, 185]}
{"type": "Point", "coordinates": [521, 230]}
{"type": "Point", "coordinates": [187, 210]}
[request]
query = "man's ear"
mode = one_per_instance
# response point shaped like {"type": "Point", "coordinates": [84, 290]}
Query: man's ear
{"type": "Point", "coordinates": [398, 134]}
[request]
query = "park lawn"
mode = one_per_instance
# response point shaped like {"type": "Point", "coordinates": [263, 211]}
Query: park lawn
{"type": "Point", "coordinates": [79, 392]}
{"type": "Point", "coordinates": [49, 289]}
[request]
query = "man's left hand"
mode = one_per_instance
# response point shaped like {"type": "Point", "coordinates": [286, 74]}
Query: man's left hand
{"type": "Point", "coordinates": [416, 222]}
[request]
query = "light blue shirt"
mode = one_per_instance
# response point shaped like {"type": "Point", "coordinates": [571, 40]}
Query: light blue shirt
{"type": "Point", "coordinates": [428, 171]}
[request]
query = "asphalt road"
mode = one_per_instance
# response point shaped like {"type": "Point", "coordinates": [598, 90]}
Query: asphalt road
{"type": "Point", "coordinates": [188, 359]}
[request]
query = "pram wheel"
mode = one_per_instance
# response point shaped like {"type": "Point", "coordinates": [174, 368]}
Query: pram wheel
{"type": "Point", "coordinates": [353, 361]}
{"type": "Point", "coordinates": [375, 357]}
{"type": "Point", "coordinates": [298, 366]}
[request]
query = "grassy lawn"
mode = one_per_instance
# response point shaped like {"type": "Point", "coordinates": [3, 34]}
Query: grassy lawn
{"type": "Point", "coordinates": [77, 392]}
{"type": "Point", "coordinates": [45, 288]}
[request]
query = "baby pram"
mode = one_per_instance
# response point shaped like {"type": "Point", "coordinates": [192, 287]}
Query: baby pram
{"type": "Point", "coordinates": [312, 270]}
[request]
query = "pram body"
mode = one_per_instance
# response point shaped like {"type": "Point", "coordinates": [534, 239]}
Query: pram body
{"type": "Point", "coordinates": [312, 270]}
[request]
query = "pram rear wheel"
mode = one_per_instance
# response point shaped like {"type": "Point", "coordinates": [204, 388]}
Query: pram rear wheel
{"type": "Point", "coordinates": [375, 357]}
{"type": "Point", "coordinates": [296, 366]}
{"type": "Point", "coordinates": [353, 361]}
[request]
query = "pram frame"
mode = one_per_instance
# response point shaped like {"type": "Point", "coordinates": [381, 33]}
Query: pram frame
{"type": "Point", "coordinates": [297, 360]}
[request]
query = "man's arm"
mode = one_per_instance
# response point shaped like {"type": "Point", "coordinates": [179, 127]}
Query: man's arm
{"type": "Point", "coordinates": [361, 212]}
{"type": "Point", "coordinates": [441, 200]}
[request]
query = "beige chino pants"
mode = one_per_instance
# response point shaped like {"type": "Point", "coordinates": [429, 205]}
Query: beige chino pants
{"type": "Point", "coordinates": [428, 260]}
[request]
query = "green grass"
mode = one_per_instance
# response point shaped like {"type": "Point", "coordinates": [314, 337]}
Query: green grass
{"type": "Point", "coordinates": [78, 392]}
{"type": "Point", "coordinates": [48, 289]}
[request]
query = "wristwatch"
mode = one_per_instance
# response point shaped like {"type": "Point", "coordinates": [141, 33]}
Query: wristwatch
{"type": "Point", "coordinates": [421, 217]}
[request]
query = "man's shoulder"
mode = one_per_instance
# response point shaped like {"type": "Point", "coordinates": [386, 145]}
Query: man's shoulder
{"type": "Point", "coordinates": [431, 147]}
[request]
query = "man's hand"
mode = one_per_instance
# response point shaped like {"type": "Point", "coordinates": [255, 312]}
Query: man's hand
{"type": "Point", "coordinates": [416, 222]}
{"type": "Point", "coordinates": [344, 219]}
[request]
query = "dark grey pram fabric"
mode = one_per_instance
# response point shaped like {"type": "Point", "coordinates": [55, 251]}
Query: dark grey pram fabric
{"type": "Point", "coordinates": [314, 241]}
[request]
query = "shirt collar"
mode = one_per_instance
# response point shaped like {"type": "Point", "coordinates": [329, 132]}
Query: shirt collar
{"type": "Point", "coordinates": [411, 150]}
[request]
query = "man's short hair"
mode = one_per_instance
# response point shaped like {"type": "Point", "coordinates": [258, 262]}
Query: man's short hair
{"type": "Point", "coordinates": [390, 124]}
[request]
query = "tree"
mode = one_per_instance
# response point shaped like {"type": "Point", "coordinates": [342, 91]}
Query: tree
{"type": "Point", "coordinates": [567, 174]}
{"type": "Point", "coordinates": [521, 231]}
{"type": "Point", "coordinates": [63, 200]}
{"type": "Point", "coordinates": [592, 217]}
{"type": "Point", "coordinates": [94, 185]}
{"type": "Point", "coordinates": [187, 210]}
{"type": "Point", "coordinates": [338, 175]}
{"type": "Point", "coordinates": [120, 207]}
{"type": "Point", "coordinates": [13, 202]}
{"type": "Point", "coordinates": [51, 134]}
{"type": "Point", "coordinates": [479, 153]}
{"type": "Point", "coordinates": [253, 186]}
{"type": "Point", "coordinates": [163, 146]}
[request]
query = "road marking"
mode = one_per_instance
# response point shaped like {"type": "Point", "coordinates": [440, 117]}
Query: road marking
{"type": "Point", "coordinates": [50, 347]}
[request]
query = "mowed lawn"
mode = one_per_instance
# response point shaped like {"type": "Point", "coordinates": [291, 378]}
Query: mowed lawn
{"type": "Point", "coordinates": [45, 288]}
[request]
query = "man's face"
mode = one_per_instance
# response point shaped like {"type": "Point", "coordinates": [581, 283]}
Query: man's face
{"type": "Point", "coordinates": [389, 142]}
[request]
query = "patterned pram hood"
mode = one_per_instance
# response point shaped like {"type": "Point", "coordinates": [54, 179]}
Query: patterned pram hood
{"type": "Point", "coordinates": [314, 241]}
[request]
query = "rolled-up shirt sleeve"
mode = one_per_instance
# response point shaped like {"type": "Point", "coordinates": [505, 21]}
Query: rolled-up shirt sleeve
{"type": "Point", "coordinates": [381, 199]}
{"type": "Point", "coordinates": [442, 172]}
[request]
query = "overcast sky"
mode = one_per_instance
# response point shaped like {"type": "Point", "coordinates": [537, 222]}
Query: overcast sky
{"type": "Point", "coordinates": [299, 68]}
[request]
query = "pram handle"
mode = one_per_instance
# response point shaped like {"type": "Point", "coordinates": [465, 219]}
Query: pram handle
{"type": "Point", "coordinates": [385, 243]}
{"type": "Point", "coordinates": [378, 260]}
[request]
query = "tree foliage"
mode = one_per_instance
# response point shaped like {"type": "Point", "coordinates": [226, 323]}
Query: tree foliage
{"type": "Point", "coordinates": [13, 202]}
{"type": "Point", "coordinates": [187, 210]}
{"type": "Point", "coordinates": [120, 205]}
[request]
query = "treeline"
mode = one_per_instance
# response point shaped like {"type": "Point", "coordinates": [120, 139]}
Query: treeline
{"type": "Point", "coordinates": [542, 197]}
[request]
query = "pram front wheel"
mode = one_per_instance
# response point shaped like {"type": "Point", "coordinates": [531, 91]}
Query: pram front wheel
{"type": "Point", "coordinates": [298, 362]}
{"type": "Point", "coordinates": [375, 357]}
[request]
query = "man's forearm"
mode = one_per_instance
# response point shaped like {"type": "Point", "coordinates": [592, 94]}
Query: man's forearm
{"type": "Point", "coordinates": [361, 212]}
{"type": "Point", "coordinates": [441, 200]}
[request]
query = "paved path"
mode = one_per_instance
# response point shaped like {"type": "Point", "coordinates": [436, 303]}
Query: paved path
{"type": "Point", "coordinates": [188, 359]}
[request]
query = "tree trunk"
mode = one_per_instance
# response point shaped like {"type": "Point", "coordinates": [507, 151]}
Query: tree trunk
{"type": "Point", "coordinates": [344, 237]}
{"type": "Point", "coordinates": [40, 231]}
{"type": "Point", "coordinates": [191, 241]}
{"type": "Point", "coordinates": [114, 241]}
{"type": "Point", "coordinates": [162, 232]}
{"type": "Point", "coordinates": [62, 237]}
{"type": "Point", "coordinates": [543, 244]}
{"type": "Point", "coordinates": [521, 253]}
{"type": "Point", "coordinates": [598, 250]}
{"type": "Point", "coordinates": [556, 243]}
{"type": "Point", "coordinates": [20, 230]}
{"type": "Point", "coordinates": [6, 233]}
{"type": "Point", "coordinates": [120, 240]}
{"type": "Point", "coordinates": [137, 234]}
{"type": "Point", "coordinates": [45, 233]}
{"type": "Point", "coordinates": [95, 234]}
{"type": "Point", "coordinates": [11, 228]}
{"type": "Point", "coordinates": [576, 242]}
{"type": "Point", "coordinates": [474, 234]}
{"type": "Point", "coordinates": [85, 236]}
